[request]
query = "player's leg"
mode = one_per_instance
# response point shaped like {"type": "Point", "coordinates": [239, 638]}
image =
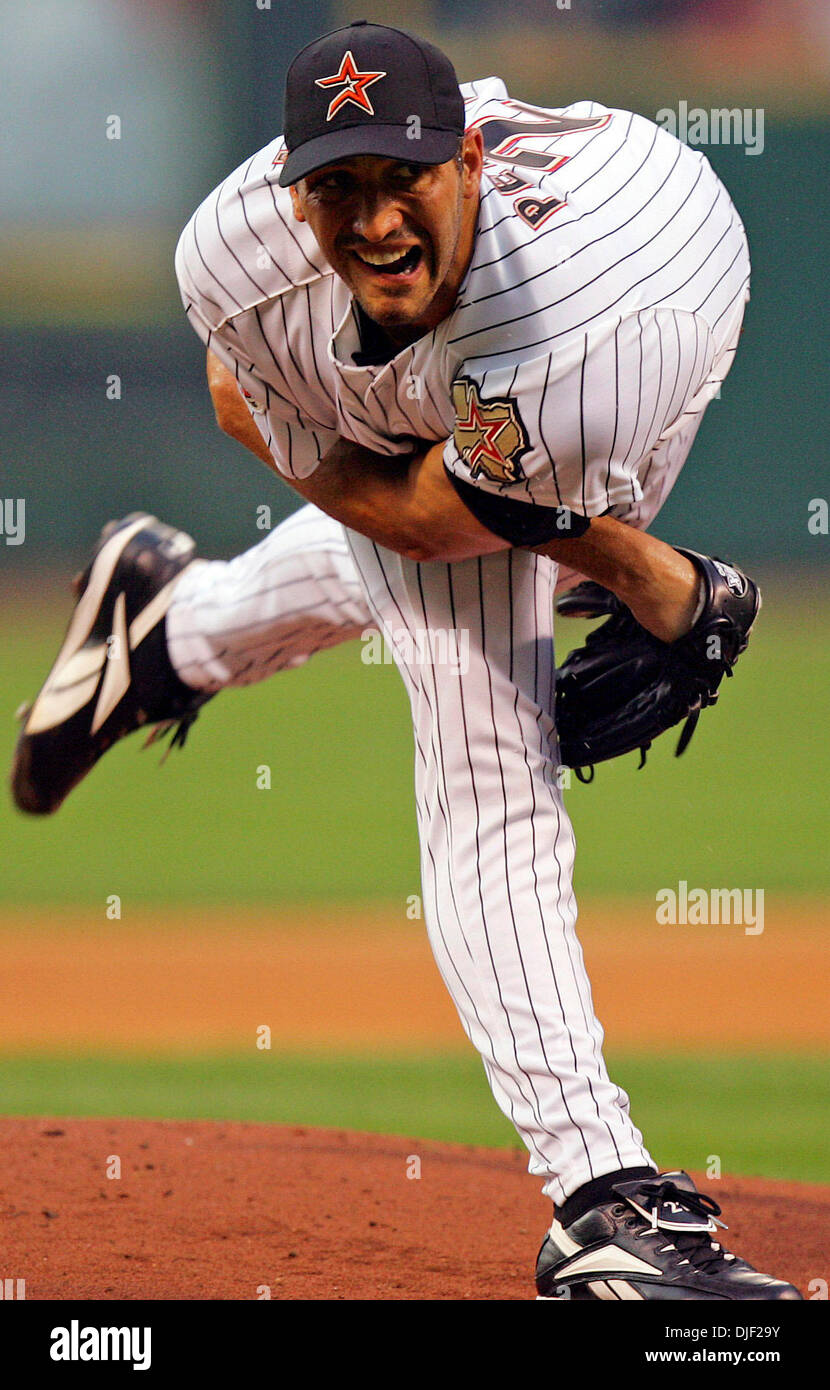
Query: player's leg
{"type": "Point", "coordinates": [269, 609]}
{"type": "Point", "coordinates": [474, 643]}
{"type": "Point", "coordinates": [155, 633]}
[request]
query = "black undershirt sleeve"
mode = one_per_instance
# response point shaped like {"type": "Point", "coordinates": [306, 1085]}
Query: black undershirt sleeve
{"type": "Point", "coordinates": [520, 523]}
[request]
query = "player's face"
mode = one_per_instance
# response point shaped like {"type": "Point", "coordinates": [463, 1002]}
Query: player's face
{"type": "Point", "coordinates": [399, 235]}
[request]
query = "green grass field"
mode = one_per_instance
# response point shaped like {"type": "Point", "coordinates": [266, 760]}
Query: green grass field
{"type": "Point", "coordinates": [746, 804]}
{"type": "Point", "coordinates": [686, 1105]}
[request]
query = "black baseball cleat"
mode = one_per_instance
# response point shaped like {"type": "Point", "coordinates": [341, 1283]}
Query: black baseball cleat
{"type": "Point", "coordinates": [654, 1243]}
{"type": "Point", "coordinates": [112, 673]}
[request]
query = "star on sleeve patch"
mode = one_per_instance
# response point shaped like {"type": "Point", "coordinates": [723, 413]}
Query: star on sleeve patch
{"type": "Point", "coordinates": [489, 435]}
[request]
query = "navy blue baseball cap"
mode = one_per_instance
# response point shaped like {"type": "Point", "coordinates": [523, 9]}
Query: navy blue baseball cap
{"type": "Point", "coordinates": [370, 89]}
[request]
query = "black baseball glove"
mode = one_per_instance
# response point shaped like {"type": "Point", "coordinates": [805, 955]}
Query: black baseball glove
{"type": "Point", "coordinates": [624, 687]}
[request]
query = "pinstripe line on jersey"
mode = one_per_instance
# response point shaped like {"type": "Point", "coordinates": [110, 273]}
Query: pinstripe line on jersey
{"type": "Point", "coordinates": [628, 452]}
{"type": "Point", "coordinates": [532, 819]}
{"type": "Point", "coordinates": [741, 292]}
{"type": "Point", "coordinates": [247, 171]}
{"type": "Point", "coordinates": [524, 347]}
{"type": "Point", "coordinates": [616, 411]}
{"type": "Point", "coordinates": [388, 430]}
{"type": "Point", "coordinates": [560, 227]}
{"type": "Point", "coordinates": [650, 430]}
{"type": "Point", "coordinates": [525, 482]}
{"type": "Point", "coordinates": [223, 287]}
{"type": "Point", "coordinates": [588, 213]}
{"type": "Point", "coordinates": [359, 420]}
{"type": "Point", "coordinates": [672, 408]}
{"type": "Point", "coordinates": [579, 186]}
{"type": "Point", "coordinates": [586, 246]}
{"type": "Point", "coordinates": [545, 444]}
{"type": "Point", "coordinates": [261, 289]}
{"type": "Point", "coordinates": [260, 239]}
{"type": "Point", "coordinates": [292, 405]}
{"type": "Point", "coordinates": [582, 420]}
{"type": "Point", "coordinates": [270, 441]}
{"type": "Point", "coordinates": [555, 303]}
{"type": "Point", "coordinates": [536, 1110]}
{"type": "Point", "coordinates": [697, 271]}
{"type": "Point", "coordinates": [287, 340]}
{"type": "Point", "coordinates": [319, 270]}
{"type": "Point", "coordinates": [193, 307]}
{"type": "Point", "coordinates": [415, 428]}
{"type": "Point", "coordinates": [725, 273]}
{"type": "Point", "coordinates": [302, 420]}
{"type": "Point", "coordinates": [442, 426]}
{"type": "Point", "coordinates": [694, 374]}
{"type": "Point", "coordinates": [286, 455]}
{"type": "Point", "coordinates": [311, 336]}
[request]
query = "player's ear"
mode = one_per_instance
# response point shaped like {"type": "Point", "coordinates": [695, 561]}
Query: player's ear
{"type": "Point", "coordinates": [472, 155]}
{"type": "Point", "coordinates": [296, 204]}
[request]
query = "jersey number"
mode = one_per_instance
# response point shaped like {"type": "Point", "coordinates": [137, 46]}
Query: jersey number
{"type": "Point", "coordinates": [502, 144]}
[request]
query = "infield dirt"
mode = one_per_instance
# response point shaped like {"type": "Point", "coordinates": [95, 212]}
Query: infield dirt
{"type": "Point", "coordinates": [233, 1211]}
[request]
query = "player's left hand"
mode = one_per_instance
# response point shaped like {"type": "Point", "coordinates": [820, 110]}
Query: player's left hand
{"type": "Point", "coordinates": [625, 687]}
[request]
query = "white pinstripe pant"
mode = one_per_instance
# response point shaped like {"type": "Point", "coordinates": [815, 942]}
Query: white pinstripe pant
{"type": "Point", "coordinates": [496, 843]}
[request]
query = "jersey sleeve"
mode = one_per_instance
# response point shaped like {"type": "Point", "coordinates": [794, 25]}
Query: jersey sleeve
{"type": "Point", "coordinates": [567, 435]}
{"type": "Point", "coordinates": [296, 442]}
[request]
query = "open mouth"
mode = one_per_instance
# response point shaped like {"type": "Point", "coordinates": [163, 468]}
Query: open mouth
{"type": "Point", "coordinates": [391, 262]}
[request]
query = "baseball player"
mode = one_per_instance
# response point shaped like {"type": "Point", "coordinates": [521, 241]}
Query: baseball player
{"type": "Point", "coordinates": [477, 337]}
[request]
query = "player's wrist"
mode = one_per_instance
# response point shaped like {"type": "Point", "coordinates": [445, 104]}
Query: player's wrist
{"type": "Point", "coordinates": [668, 604]}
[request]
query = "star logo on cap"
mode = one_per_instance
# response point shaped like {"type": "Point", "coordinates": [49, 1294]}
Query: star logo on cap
{"type": "Point", "coordinates": [354, 83]}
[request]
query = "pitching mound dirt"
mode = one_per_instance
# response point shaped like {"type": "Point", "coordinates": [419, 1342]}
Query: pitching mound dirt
{"type": "Point", "coordinates": [238, 1211]}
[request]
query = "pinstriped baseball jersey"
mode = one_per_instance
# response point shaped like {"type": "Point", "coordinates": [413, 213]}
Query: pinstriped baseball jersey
{"type": "Point", "coordinates": [608, 273]}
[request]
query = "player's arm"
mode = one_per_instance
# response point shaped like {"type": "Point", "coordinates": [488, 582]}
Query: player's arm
{"type": "Point", "coordinates": [409, 505]}
{"type": "Point", "coordinates": [404, 502]}
{"type": "Point", "coordinates": [232, 414]}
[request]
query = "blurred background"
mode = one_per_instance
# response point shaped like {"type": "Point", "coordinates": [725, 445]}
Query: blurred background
{"type": "Point", "coordinates": [92, 209]}
{"type": "Point", "coordinates": [116, 119]}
